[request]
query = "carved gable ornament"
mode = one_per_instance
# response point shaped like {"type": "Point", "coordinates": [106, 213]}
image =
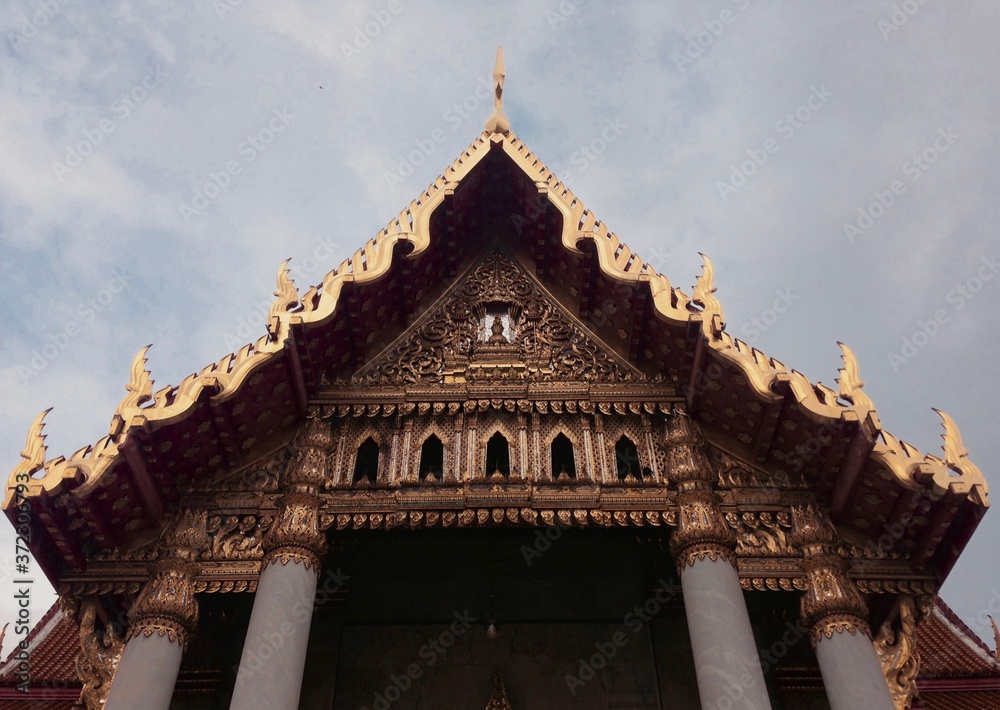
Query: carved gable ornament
{"type": "Point", "coordinates": [497, 324]}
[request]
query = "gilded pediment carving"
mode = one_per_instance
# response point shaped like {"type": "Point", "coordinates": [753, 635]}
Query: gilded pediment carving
{"type": "Point", "coordinates": [497, 325]}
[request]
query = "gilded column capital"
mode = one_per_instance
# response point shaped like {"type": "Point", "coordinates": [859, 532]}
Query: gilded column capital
{"type": "Point", "coordinates": [295, 535]}
{"type": "Point", "coordinates": [831, 603]}
{"type": "Point", "coordinates": [702, 531]}
{"type": "Point", "coordinates": [167, 606]}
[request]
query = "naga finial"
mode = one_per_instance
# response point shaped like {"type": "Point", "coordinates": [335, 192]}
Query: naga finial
{"type": "Point", "coordinates": [498, 122]}
{"type": "Point", "coordinates": [955, 453]}
{"type": "Point", "coordinates": [287, 297]}
{"type": "Point", "coordinates": [139, 389]}
{"type": "Point", "coordinates": [140, 386]}
{"type": "Point", "coordinates": [850, 380]}
{"type": "Point", "coordinates": [704, 287]}
{"type": "Point", "coordinates": [33, 454]}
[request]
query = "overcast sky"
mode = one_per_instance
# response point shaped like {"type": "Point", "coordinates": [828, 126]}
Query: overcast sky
{"type": "Point", "coordinates": [157, 164]}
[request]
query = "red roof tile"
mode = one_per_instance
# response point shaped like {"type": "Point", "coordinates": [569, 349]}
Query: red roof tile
{"type": "Point", "coordinates": [52, 649]}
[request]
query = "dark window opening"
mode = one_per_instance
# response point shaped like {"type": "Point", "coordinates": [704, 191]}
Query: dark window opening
{"type": "Point", "coordinates": [432, 458]}
{"type": "Point", "coordinates": [562, 457]}
{"type": "Point", "coordinates": [497, 456]}
{"type": "Point", "coordinates": [627, 459]}
{"type": "Point", "coordinates": [366, 463]}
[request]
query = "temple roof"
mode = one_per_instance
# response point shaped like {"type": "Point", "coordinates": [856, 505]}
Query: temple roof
{"type": "Point", "coordinates": [750, 404]}
{"type": "Point", "coordinates": [52, 646]}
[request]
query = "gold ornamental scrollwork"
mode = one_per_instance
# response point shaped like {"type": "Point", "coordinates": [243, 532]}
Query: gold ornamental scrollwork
{"type": "Point", "coordinates": [762, 534]}
{"type": "Point", "coordinates": [237, 537]}
{"type": "Point", "coordinates": [530, 338]}
{"type": "Point", "coordinates": [702, 531]}
{"type": "Point", "coordinates": [166, 605]}
{"type": "Point", "coordinates": [896, 647]}
{"type": "Point", "coordinates": [295, 535]}
{"type": "Point", "coordinates": [100, 652]}
{"type": "Point", "coordinates": [831, 603]}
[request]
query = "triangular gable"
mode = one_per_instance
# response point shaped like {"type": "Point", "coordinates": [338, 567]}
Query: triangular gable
{"type": "Point", "coordinates": [497, 323]}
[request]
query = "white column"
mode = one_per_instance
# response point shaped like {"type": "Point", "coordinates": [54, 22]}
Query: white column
{"type": "Point", "coordinates": [274, 653]}
{"type": "Point", "coordinates": [837, 618]}
{"type": "Point", "coordinates": [162, 619]}
{"type": "Point", "coordinates": [725, 652]}
{"type": "Point", "coordinates": [146, 674]}
{"type": "Point", "coordinates": [851, 673]}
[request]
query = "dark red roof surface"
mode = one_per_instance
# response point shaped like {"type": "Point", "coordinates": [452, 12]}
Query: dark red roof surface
{"type": "Point", "coordinates": [52, 649]}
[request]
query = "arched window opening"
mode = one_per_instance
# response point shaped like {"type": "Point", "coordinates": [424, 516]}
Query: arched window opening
{"type": "Point", "coordinates": [366, 463]}
{"type": "Point", "coordinates": [497, 456]}
{"type": "Point", "coordinates": [562, 457]}
{"type": "Point", "coordinates": [432, 458]}
{"type": "Point", "coordinates": [627, 459]}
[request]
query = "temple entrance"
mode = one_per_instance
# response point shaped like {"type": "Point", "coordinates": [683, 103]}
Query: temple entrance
{"type": "Point", "coordinates": [432, 617]}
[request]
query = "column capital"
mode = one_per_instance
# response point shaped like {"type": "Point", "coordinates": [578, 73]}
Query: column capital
{"type": "Point", "coordinates": [167, 606]}
{"type": "Point", "coordinates": [702, 531]}
{"type": "Point", "coordinates": [295, 535]}
{"type": "Point", "coordinates": [831, 603]}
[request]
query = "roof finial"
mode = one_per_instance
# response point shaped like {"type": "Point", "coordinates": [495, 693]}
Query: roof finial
{"type": "Point", "coordinates": [497, 122]}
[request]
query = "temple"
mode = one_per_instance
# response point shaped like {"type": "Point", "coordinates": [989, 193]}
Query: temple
{"type": "Point", "coordinates": [496, 460]}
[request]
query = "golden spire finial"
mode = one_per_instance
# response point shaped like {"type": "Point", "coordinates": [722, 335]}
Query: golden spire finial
{"type": "Point", "coordinates": [850, 380]}
{"type": "Point", "coordinates": [33, 454]}
{"type": "Point", "coordinates": [955, 452]}
{"type": "Point", "coordinates": [497, 122]}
